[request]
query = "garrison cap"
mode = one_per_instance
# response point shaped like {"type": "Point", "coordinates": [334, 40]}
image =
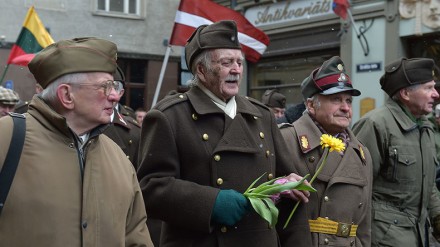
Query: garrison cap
{"type": "Point", "coordinates": [405, 72]}
{"type": "Point", "coordinates": [272, 98]}
{"type": "Point", "coordinates": [118, 75]}
{"type": "Point", "coordinates": [328, 79]}
{"type": "Point", "coordinates": [86, 54]}
{"type": "Point", "coordinates": [8, 96]}
{"type": "Point", "coordinates": [222, 34]}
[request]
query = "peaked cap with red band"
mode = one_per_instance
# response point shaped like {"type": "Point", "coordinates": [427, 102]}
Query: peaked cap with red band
{"type": "Point", "coordinates": [328, 79]}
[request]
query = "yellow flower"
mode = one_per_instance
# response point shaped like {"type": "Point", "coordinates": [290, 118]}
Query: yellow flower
{"type": "Point", "coordinates": [327, 141]}
{"type": "Point", "coordinates": [335, 144]}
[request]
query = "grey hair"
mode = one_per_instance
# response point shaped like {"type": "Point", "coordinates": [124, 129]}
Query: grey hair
{"type": "Point", "coordinates": [49, 94]}
{"type": "Point", "coordinates": [396, 96]}
{"type": "Point", "coordinates": [315, 100]}
{"type": "Point", "coordinates": [204, 58]}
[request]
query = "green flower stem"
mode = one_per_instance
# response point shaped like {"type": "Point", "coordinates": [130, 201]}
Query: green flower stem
{"type": "Point", "coordinates": [311, 181]}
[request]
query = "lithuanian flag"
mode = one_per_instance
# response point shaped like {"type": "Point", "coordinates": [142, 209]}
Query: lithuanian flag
{"type": "Point", "coordinates": [32, 39]}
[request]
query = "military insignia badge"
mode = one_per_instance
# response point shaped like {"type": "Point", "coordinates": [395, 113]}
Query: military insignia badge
{"type": "Point", "coordinates": [362, 152]}
{"type": "Point", "coordinates": [340, 67]}
{"type": "Point", "coordinates": [305, 145]}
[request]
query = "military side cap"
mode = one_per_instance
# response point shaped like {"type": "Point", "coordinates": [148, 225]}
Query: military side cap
{"type": "Point", "coordinates": [73, 56]}
{"type": "Point", "coordinates": [8, 96]}
{"type": "Point", "coordinates": [272, 98]}
{"type": "Point", "coordinates": [328, 79]}
{"type": "Point", "coordinates": [222, 34]}
{"type": "Point", "coordinates": [118, 75]}
{"type": "Point", "coordinates": [405, 72]}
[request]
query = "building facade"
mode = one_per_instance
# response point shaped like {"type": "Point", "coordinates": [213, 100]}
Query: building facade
{"type": "Point", "coordinates": [140, 28]}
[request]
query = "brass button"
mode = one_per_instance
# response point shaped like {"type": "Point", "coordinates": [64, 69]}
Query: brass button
{"type": "Point", "coordinates": [270, 176]}
{"type": "Point", "coordinates": [267, 153]}
{"type": "Point", "coordinates": [217, 157]}
{"type": "Point", "coordinates": [311, 159]}
{"type": "Point", "coordinates": [361, 204]}
{"type": "Point", "coordinates": [326, 241]}
{"type": "Point", "coordinates": [326, 198]}
{"type": "Point", "coordinates": [194, 116]}
{"type": "Point", "coordinates": [130, 142]}
{"type": "Point", "coordinates": [71, 145]}
{"type": "Point", "coordinates": [205, 137]}
{"type": "Point", "coordinates": [326, 217]}
{"type": "Point", "coordinates": [219, 181]}
{"type": "Point", "coordinates": [223, 229]}
{"type": "Point", "coordinates": [181, 96]}
{"type": "Point", "coordinates": [255, 117]}
{"type": "Point", "coordinates": [261, 135]}
{"type": "Point", "coordinates": [128, 156]}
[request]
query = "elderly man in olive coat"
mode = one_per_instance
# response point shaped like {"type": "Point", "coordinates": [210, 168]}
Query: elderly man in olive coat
{"type": "Point", "coordinates": [73, 186]}
{"type": "Point", "coordinates": [203, 148]}
{"type": "Point", "coordinates": [339, 214]}
{"type": "Point", "coordinates": [401, 141]}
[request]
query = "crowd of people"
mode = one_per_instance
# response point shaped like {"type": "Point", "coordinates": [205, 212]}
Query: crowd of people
{"type": "Point", "coordinates": [78, 169]}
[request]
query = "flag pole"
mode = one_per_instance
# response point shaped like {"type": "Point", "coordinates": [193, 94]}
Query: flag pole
{"type": "Point", "coordinates": [359, 35]}
{"type": "Point", "coordinates": [4, 73]}
{"type": "Point", "coordinates": [162, 72]}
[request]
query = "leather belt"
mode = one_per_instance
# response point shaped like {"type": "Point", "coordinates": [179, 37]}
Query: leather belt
{"type": "Point", "coordinates": [323, 225]}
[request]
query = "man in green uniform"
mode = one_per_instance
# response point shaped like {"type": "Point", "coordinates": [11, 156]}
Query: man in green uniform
{"type": "Point", "coordinates": [401, 141]}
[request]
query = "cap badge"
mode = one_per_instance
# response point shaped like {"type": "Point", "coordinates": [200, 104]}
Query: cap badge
{"type": "Point", "coordinates": [340, 67]}
{"type": "Point", "coordinates": [342, 77]}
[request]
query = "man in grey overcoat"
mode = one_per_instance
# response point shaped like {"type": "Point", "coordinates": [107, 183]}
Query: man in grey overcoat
{"type": "Point", "coordinates": [401, 141]}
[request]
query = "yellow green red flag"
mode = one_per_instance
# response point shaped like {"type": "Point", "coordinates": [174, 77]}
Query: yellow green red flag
{"type": "Point", "coordinates": [32, 39]}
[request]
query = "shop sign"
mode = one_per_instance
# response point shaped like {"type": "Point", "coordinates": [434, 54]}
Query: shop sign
{"type": "Point", "coordinates": [288, 11]}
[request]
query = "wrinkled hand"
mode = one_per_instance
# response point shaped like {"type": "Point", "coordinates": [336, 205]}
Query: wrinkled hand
{"type": "Point", "coordinates": [296, 195]}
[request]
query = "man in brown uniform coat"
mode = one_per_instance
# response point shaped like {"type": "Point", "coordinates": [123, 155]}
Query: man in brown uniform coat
{"type": "Point", "coordinates": [201, 149]}
{"type": "Point", "coordinates": [342, 204]}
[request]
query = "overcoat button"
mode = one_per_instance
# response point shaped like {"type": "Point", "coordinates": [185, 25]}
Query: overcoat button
{"type": "Point", "coordinates": [255, 117]}
{"type": "Point", "coordinates": [84, 224]}
{"type": "Point", "coordinates": [326, 198]}
{"type": "Point", "coordinates": [130, 141]}
{"type": "Point", "coordinates": [352, 243]}
{"type": "Point", "coordinates": [217, 157]}
{"type": "Point", "coordinates": [361, 204]}
{"type": "Point", "coordinates": [396, 222]}
{"type": "Point", "coordinates": [194, 116]}
{"type": "Point", "coordinates": [220, 181]}
{"type": "Point", "coordinates": [261, 135]}
{"type": "Point", "coordinates": [223, 229]}
{"type": "Point", "coordinates": [326, 241]}
{"type": "Point", "coordinates": [267, 153]}
{"type": "Point", "coordinates": [181, 96]}
{"type": "Point", "coordinates": [205, 137]}
{"type": "Point", "coordinates": [311, 159]}
{"type": "Point", "coordinates": [270, 176]}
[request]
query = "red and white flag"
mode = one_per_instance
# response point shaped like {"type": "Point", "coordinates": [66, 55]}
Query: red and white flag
{"type": "Point", "coordinates": [341, 7]}
{"type": "Point", "coordinates": [193, 13]}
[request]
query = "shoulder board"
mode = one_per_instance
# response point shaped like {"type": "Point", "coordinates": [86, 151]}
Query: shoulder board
{"type": "Point", "coordinates": [284, 125]}
{"type": "Point", "coordinates": [170, 101]}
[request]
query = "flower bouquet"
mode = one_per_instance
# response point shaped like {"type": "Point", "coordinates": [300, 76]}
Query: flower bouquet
{"type": "Point", "coordinates": [260, 196]}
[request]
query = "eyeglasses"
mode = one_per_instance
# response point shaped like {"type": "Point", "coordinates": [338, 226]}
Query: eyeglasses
{"type": "Point", "coordinates": [107, 86]}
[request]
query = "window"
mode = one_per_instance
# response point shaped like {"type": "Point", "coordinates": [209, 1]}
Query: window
{"type": "Point", "coordinates": [119, 7]}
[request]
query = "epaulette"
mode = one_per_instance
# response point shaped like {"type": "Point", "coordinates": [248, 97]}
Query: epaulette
{"type": "Point", "coordinates": [170, 101]}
